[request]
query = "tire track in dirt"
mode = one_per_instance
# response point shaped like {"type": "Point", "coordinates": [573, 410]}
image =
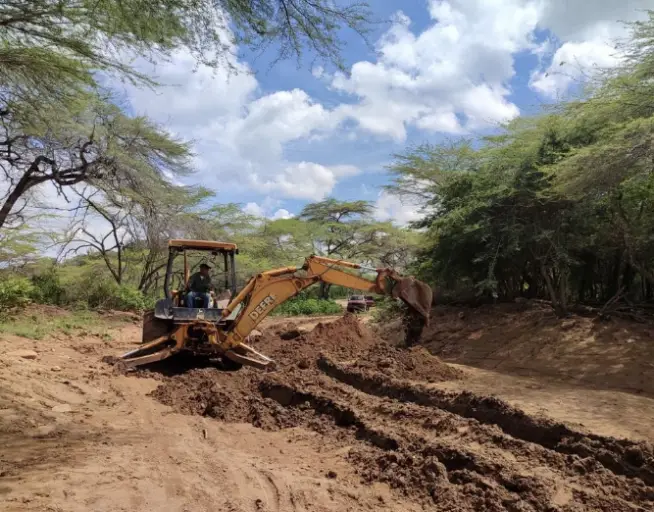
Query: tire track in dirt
{"type": "Point", "coordinates": [446, 451]}
{"type": "Point", "coordinates": [275, 492]}
{"type": "Point", "coordinates": [260, 485]}
{"type": "Point", "coordinates": [622, 457]}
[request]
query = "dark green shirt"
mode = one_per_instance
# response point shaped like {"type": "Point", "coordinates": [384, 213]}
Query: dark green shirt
{"type": "Point", "coordinates": [199, 283]}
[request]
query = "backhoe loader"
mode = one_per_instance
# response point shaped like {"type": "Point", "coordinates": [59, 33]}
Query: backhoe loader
{"type": "Point", "coordinates": [221, 330]}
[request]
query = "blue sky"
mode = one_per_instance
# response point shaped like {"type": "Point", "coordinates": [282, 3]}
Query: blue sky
{"type": "Point", "coordinates": [276, 138]}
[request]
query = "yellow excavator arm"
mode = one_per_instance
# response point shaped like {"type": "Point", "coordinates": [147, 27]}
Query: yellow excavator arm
{"type": "Point", "coordinates": [269, 289]}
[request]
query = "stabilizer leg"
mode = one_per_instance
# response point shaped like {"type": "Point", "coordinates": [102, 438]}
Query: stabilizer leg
{"type": "Point", "coordinates": [156, 350]}
{"type": "Point", "coordinates": [246, 355]}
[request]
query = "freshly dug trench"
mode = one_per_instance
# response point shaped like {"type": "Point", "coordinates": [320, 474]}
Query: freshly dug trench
{"type": "Point", "coordinates": [446, 451]}
{"type": "Point", "coordinates": [449, 472]}
{"type": "Point", "coordinates": [620, 456]}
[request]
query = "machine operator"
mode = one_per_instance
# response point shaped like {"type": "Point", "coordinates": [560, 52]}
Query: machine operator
{"type": "Point", "coordinates": [199, 285]}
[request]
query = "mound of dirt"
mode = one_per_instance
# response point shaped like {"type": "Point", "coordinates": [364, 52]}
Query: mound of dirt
{"type": "Point", "coordinates": [508, 338]}
{"type": "Point", "coordinates": [449, 462]}
{"type": "Point", "coordinates": [235, 397]}
{"type": "Point", "coordinates": [415, 363]}
{"type": "Point", "coordinates": [287, 331]}
{"type": "Point", "coordinates": [343, 338]}
{"type": "Point", "coordinates": [391, 331]}
{"type": "Point", "coordinates": [232, 399]}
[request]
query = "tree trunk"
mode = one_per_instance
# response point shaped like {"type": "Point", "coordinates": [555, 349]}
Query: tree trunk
{"type": "Point", "coordinates": [616, 273]}
{"type": "Point", "coordinates": [563, 292]}
{"type": "Point", "coordinates": [21, 187]}
{"type": "Point", "coordinates": [26, 182]}
{"type": "Point", "coordinates": [324, 290]}
{"type": "Point", "coordinates": [532, 289]}
{"type": "Point", "coordinates": [559, 308]}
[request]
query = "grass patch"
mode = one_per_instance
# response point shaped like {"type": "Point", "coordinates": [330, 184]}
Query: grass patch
{"type": "Point", "coordinates": [37, 325]}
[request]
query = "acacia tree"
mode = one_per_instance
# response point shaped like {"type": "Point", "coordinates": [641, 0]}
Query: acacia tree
{"type": "Point", "coordinates": [97, 145]}
{"type": "Point", "coordinates": [130, 230]}
{"type": "Point", "coordinates": [110, 245]}
{"type": "Point", "coordinates": [165, 212]}
{"type": "Point", "coordinates": [51, 53]}
{"type": "Point", "coordinates": [52, 48]}
{"type": "Point", "coordinates": [287, 241]}
{"type": "Point", "coordinates": [336, 224]}
{"type": "Point", "coordinates": [20, 243]}
{"type": "Point", "coordinates": [558, 206]}
{"type": "Point", "coordinates": [347, 230]}
{"type": "Point", "coordinates": [419, 172]}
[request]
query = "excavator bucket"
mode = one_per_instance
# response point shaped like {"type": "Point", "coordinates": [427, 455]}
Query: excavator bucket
{"type": "Point", "coordinates": [416, 294]}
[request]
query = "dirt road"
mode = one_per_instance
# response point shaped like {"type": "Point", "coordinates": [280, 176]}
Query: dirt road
{"type": "Point", "coordinates": [346, 424]}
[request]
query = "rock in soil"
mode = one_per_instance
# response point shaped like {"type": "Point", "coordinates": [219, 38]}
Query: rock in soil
{"type": "Point", "coordinates": [25, 354]}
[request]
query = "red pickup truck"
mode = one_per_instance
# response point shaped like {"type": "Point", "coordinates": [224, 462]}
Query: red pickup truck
{"type": "Point", "coordinates": [358, 303]}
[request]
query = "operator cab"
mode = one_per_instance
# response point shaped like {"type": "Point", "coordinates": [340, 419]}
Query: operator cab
{"type": "Point", "coordinates": [217, 255]}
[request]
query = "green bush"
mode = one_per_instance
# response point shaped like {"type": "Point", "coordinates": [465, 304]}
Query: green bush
{"type": "Point", "coordinates": [95, 291]}
{"type": "Point", "coordinates": [47, 288]}
{"type": "Point", "coordinates": [15, 292]}
{"type": "Point", "coordinates": [128, 298]}
{"type": "Point", "coordinates": [302, 306]}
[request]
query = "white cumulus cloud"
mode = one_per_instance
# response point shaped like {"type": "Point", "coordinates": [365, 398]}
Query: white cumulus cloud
{"type": "Point", "coordinates": [240, 135]}
{"type": "Point", "coordinates": [282, 213]}
{"type": "Point", "coordinates": [389, 207]}
{"type": "Point", "coordinates": [450, 78]}
{"type": "Point", "coordinates": [454, 76]}
{"type": "Point", "coordinates": [254, 209]}
{"type": "Point", "coordinates": [587, 40]}
{"type": "Point", "coordinates": [303, 180]}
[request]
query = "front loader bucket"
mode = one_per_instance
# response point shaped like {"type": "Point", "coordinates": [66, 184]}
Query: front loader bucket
{"type": "Point", "coordinates": [153, 327]}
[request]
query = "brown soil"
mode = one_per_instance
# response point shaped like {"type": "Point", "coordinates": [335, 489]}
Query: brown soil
{"type": "Point", "coordinates": [445, 450]}
{"type": "Point", "coordinates": [235, 396]}
{"type": "Point", "coordinates": [346, 337]}
{"type": "Point", "coordinates": [415, 363]}
{"type": "Point", "coordinates": [531, 341]}
{"type": "Point", "coordinates": [346, 422]}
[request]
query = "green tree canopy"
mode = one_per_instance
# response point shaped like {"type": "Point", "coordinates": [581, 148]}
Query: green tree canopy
{"type": "Point", "coordinates": [558, 206]}
{"type": "Point", "coordinates": [52, 49]}
{"type": "Point", "coordinates": [94, 143]}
